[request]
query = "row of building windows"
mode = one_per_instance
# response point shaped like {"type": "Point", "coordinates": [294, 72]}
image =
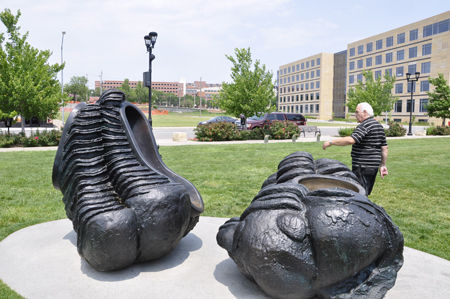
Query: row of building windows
{"type": "Point", "coordinates": [424, 86]}
{"type": "Point", "coordinates": [301, 108]}
{"type": "Point", "coordinates": [300, 98]}
{"type": "Point", "coordinates": [398, 106]}
{"type": "Point", "coordinates": [300, 87]}
{"type": "Point", "coordinates": [399, 72]}
{"type": "Point", "coordinates": [300, 77]}
{"type": "Point", "coordinates": [312, 63]}
{"type": "Point", "coordinates": [436, 28]}
{"type": "Point", "coordinates": [426, 50]}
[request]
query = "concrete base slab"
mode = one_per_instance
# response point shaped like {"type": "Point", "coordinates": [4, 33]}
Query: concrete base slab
{"type": "Point", "coordinates": [41, 261]}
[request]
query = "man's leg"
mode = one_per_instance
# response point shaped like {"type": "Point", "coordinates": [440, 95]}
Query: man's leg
{"type": "Point", "coordinates": [366, 177]}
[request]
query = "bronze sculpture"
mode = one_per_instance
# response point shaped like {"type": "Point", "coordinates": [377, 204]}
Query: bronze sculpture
{"type": "Point", "coordinates": [312, 233]}
{"type": "Point", "coordinates": [125, 204]}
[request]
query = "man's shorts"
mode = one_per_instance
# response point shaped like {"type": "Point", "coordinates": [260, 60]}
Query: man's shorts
{"type": "Point", "coordinates": [366, 177]}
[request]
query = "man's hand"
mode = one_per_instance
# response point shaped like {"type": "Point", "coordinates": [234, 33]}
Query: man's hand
{"type": "Point", "coordinates": [383, 171]}
{"type": "Point", "coordinates": [326, 144]}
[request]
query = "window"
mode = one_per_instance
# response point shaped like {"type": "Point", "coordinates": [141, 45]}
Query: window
{"type": "Point", "coordinates": [399, 71]}
{"type": "Point", "coordinates": [311, 108]}
{"type": "Point", "coordinates": [351, 79]}
{"type": "Point", "coordinates": [408, 105]}
{"type": "Point", "coordinates": [412, 69]}
{"type": "Point", "coordinates": [293, 78]}
{"type": "Point", "coordinates": [301, 98]}
{"type": "Point", "coordinates": [378, 59]}
{"type": "Point", "coordinates": [312, 63]}
{"type": "Point", "coordinates": [306, 97]}
{"type": "Point", "coordinates": [318, 61]}
{"type": "Point", "coordinates": [360, 50]}
{"type": "Point", "coordinates": [303, 65]}
{"type": "Point", "coordinates": [412, 52]}
{"type": "Point", "coordinates": [436, 28]}
{"type": "Point", "coordinates": [296, 77]}
{"type": "Point", "coordinates": [289, 69]}
{"type": "Point", "coordinates": [306, 108]}
{"type": "Point", "coordinates": [312, 85]}
{"type": "Point", "coordinates": [289, 79]}
{"type": "Point", "coordinates": [301, 86]}
{"type": "Point", "coordinates": [413, 34]}
{"type": "Point", "coordinates": [360, 64]}
{"type": "Point", "coordinates": [369, 47]}
{"type": "Point", "coordinates": [311, 97]}
{"type": "Point", "coordinates": [317, 73]}
{"type": "Point", "coordinates": [317, 84]}
{"type": "Point", "coordinates": [284, 80]}
{"type": "Point", "coordinates": [400, 38]}
{"type": "Point", "coordinates": [351, 65]}
{"type": "Point", "coordinates": [379, 44]}
{"type": "Point", "coordinates": [388, 72]}
{"type": "Point", "coordinates": [302, 76]}
{"type": "Point", "coordinates": [352, 52]}
{"type": "Point", "coordinates": [317, 108]}
{"type": "Point", "coordinates": [298, 68]}
{"type": "Point", "coordinates": [297, 87]}
{"type": "Point", "coordinates": [289, 89]}
{"type": "Point", "coordinates": [281, 72]}
{"type": "Point", "coordinates": [399, 88]}
{"type": "Point", "coordinates": [398, 106]}
{"type": "Point", "coordinates": [389, 57]}
{"type": "Point", "coordinates": [301, 108]}
{"type": "Point", "coordinates": [426, 67]}
{"type": "Point", "coordinates": [285, 71]}
{"type": "Point", "coordinates": [400, 55]}
{"type": "Point", "coordinates": [423, 103]}
{"type": "Point", "coordinates": [317, 98]}
{"type": "Point", "coordinates": [306, 86]}
{"type": "Point", "coordinates": [377, 74]}
{"type": "Point", "coordinates": [424, 86]}
{"type": "Point", "coordinates": [359, 77]}
{"type": "Point", "coordinates": [389, 41]}
{"type": "Point", "coordinates": [307, 64]}
{"type": "Point", "coordinates": [307, 75]}
{"type": "Point", "coordinates": [409, 88]}
{"type": "Point", "coordinates": [312, 74]}
{"type": "Point", "coordinates": [426, 49]}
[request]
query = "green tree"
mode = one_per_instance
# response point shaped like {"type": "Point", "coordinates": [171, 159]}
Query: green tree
{"type": "Point", "coordinates": [439, 99]}
{"type": "Point", "coordinates": [95, 92]}
{"type": "Point", "coordinates": [78, 88]}
{"type": "Point", "coordinates": [141, 93]}
{"type": "Point", "coordinates": [126, 88]}
{"type": "Point", "coordinates": [251, 91]}
{"type": "Point", "coordinates": [28, 84]}
{"type": "Point", "coordinates": [375, 92]}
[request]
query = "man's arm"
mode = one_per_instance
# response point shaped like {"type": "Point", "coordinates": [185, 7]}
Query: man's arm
{"type": "Point", "coordinates": [344, 141]}
{"type": "Point", "coordinates": [384, 155]}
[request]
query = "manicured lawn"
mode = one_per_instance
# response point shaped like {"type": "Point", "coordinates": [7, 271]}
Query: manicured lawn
{"type": "Point", "coordinates": [416, 193]}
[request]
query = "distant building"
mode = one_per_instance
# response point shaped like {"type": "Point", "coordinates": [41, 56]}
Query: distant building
{"type": "Point", "coordinates": [317, 85]}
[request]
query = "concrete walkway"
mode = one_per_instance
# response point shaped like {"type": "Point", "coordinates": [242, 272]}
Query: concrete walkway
{"type": "Point", "coordinates": [41, 261]}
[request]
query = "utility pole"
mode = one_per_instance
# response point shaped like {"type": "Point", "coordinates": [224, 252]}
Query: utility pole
{"type": "Point", "coordinates": [200, 96]}
{"type": "Point", "coordinates": [101, 90]}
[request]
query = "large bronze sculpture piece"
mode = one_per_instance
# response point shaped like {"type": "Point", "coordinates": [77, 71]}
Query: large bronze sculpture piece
{"type": "Point", "coordinates": [312, 233]}
{"type": "Point", "coordinates": [125, 204]}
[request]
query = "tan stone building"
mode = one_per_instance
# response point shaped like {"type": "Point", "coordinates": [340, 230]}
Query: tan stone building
{"type": "Point", "coordinates": [421, 47]}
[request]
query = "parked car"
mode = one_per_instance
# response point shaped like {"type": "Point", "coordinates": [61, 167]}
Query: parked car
{"type": "Point", "coordinates": [217, 119]}
{"type": "Point", "coordinates": [267, 119]}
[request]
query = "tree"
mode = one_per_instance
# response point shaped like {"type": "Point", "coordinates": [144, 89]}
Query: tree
{"type": "Point", "coordinates": [439, 99]}
{"type": "Point", "coordinates": [126, 88]}
{"type": "Point", "coordinates": [28, 84]}
{"type": "Point", "coordinates": [376, 93]}
{"type": "Point", "coordinates": [77, 86]}
{"type": "Point", "coordinates": [251, 91]}
{"type": "Point", "coordinates": [141, 93]}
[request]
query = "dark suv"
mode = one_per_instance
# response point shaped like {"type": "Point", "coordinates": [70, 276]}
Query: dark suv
{"type": "Point", "coordinates": [267, 119]}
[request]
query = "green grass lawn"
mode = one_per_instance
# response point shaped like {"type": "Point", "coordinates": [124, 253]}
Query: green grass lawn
{"type": "Point", "coordinates": [416, 193]}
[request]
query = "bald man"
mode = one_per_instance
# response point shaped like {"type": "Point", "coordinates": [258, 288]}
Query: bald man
{"type": "Point", "coordinates": [369, 147]}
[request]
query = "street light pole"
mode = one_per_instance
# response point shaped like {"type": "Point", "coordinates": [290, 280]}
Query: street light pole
{"type": "Point", "coordinates": [408, 79]}
{"type": "Point", "coordinates": [62, 81]}
{"type": "Point", "coordinates": [150, 41]}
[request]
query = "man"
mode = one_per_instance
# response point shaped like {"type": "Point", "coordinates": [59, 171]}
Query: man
{"type": "Point", "coordinates": [369, 147]}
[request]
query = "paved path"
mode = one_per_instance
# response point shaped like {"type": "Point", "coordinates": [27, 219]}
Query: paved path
{"type": "Point", "coordinates": [41, 261]}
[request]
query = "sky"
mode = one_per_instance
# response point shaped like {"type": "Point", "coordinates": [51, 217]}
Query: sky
{"type": "Point", "coordinates": [106, 37]}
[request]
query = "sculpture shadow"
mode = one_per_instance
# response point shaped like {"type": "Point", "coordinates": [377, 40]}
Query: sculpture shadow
{"type": "Point", "coordinates": [175, 258]}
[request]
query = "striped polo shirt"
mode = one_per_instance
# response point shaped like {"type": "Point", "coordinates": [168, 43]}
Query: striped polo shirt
{"type": "Point", "coordinates": [369, 138]}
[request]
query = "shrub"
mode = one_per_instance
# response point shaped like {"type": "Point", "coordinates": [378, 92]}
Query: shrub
{"type": "Point", "coordinates": [281, 130]}
{"type": "Point", "coordinates": [344, 132]}
{"type": "Point", "coordinates": [439, 130]}
{"type": "Point", "coordinates": [221, 131]}
{"type": "Point", "coordinates": [45, 138]}
{"type": "Point", "coordinates": [395, 130]}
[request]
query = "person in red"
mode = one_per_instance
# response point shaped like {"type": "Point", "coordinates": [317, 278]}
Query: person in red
{"type": "Point", "coordinates": [369, 147]}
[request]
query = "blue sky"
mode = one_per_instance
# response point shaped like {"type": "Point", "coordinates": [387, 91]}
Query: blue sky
{"type": "Point", "coordinates": [194, 36]}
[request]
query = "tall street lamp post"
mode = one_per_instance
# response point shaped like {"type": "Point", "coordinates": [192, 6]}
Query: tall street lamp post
{"type": "Point", "coordinates": [62, 82]}
{"type": "Point", "coordinates": [150, 41]}
{"type": "Point", "coordinates": [409, 79]}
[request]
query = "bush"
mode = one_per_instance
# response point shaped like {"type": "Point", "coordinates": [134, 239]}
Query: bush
{"type": "Point", "coordinates": [395, 130]}
{"type": "Point", "coordinates": [221, 131]}
{"type": "Point", "coordinates": [281, 130]}
{"type": "Point", "coordinates": [45, 138]}
{"type": "Point", "coordinates": [344, 132]}
{"type": "Point", "coordinates": [439, 130]}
